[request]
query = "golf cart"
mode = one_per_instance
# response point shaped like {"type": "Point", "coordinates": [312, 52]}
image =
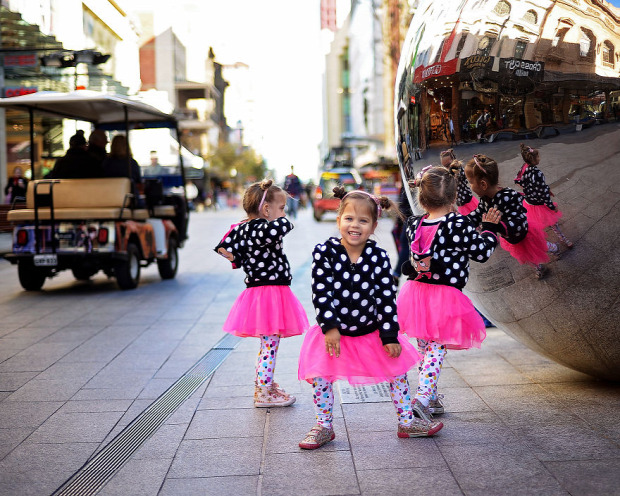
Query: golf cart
{"type": "Point", "coordinates": [88, 225]}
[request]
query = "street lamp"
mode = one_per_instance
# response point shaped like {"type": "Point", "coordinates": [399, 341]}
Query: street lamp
{"type": "Point", "coordinates": [67, 58]}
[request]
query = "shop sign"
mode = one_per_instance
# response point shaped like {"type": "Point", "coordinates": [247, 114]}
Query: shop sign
{"type": "Point", "coordinates": [519, 68]}
{"type": "Point", "coordinates": [413, 100]}
{"type": "Point", "coordinates": [476, 62]}
{"type": "Point", "coordinates": [23, 90]}
{"type": "Point", "coordinates": [442, 69]}
{"type": "Point", "coordinates": [21, 60]}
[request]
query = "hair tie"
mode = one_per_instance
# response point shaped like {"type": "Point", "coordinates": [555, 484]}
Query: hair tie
{"type": "Point", "coordinates": [529, 149]}
{"type": "Point", "coordinates": [262, 202]}
{"type": "Point", "coordinates": [374, 198]}
{"type": "Point", "coordinates": [476, 161]}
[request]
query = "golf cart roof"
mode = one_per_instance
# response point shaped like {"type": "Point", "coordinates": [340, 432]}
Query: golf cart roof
{"type": "Point", "coordinates": [103, 110]}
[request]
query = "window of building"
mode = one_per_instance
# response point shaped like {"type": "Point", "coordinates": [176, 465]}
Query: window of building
{"type": "Point", "coordinates": [485, 45]}
{"type": "Point", "coordinates": [461, 44]}
{"type": "Point", "coordinates": [587, 43]}
{"type": "Point", "coordinates": [531, 17]}
{"type": "Point", "coordinates": [502, 8]}
{"type": "Point", "coordinates": [520, 49]}
{"type": "Point", "coordinates": [608, 53]}
{"type": "Point", "coordinates": [559, 37]}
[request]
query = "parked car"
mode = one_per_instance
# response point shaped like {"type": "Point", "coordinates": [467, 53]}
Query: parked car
{"type": "Point", "coordinates": [324, 200]}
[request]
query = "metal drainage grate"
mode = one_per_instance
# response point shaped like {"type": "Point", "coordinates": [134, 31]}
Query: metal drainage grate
{"type": "Point", "coordinates": [101, 468]}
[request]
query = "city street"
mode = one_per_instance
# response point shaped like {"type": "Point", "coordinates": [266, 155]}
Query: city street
{"type": "Point", "coordinates": [79, 362]}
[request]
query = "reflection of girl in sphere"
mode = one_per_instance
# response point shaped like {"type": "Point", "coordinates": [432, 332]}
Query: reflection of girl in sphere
{"type": "Point", "coordinates": [465, 199]}
{"type": "Point", "coordinates": [541, 211]}
{"type": "Point", "coordinates": [525, 243]}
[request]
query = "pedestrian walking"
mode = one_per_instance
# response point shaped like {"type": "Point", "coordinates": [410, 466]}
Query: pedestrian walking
{"type": "Point", "coordinates": [465, 199]}
{"type": "Point", "coordinates": [542, 212]}
{"type": "Point", "coordinates": [431, 305]}
{"type": "Point", "coordinates": [452, 135]}
{"type": "Point", "coordinates": [357, 334]}
{"type": "Point", "coordinates": [525, 243]}
{"type": "Point", "coordinates": [294, 189]}
{"type": "Point", "coordinates": [267, 308]}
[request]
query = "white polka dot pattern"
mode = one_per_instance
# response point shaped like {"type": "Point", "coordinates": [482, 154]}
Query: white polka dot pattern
{"type": "Point", "coordinates": [463, 190]}
{"type": "Point", "coordinates": [535, 187]}
{"type": "Point", "coordinates": [514, 215]}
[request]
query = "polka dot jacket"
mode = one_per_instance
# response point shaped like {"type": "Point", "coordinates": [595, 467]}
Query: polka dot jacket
{"type": "Point", "coordinates": [535, 187]}
{"type": "Point", "coordinates": [456, 241]}
{"type": "Point", "coordinates": [257, 247]}
{"type": "Point", "coordinates": [355, 298]}
{"type": "Point", "coordinates": [463, 190]}
{"type": "Point", "coordinates": [514, 216]}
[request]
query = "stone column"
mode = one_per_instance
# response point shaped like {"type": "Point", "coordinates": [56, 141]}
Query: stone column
{"type": "Point", "coordinates": [455, 110]}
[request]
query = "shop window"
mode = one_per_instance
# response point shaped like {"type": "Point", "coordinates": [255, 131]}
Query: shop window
{"type": "Point", "coordinates": [485, 45]}
{"type": "Point", "coordinates": [608, 54]}
{"type": "Point", "coordinates": [461, 44]}
{"type": "Point", "coordinates": [520, 49]}
{"type": "Point", "coordinates": [559, 37]}
{"type": "Point", "coordinates": [502, 8]}
{"type": "Point", "coordinates": [531, 17]}
{"type": "Point", "coordinates": [587, 44]}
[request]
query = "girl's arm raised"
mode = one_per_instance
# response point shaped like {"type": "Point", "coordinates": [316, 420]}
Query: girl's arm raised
{"type": "Point", "coordinates": [323, 290]}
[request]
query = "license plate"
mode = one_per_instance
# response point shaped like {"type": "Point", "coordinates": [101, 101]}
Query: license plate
{"type": "Point", "coordinates": [46, 260]}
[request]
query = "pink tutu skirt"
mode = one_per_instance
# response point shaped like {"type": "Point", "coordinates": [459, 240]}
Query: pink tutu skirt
{"type": "Point", "coordinates": [436, 312]}
{"type": "Point", "coordinates": [532, 249]}
{"type": "Point", "coordinates": [362, 359]}
{"type": "Point", "coordinates": [470, 206]}
{"type": "Point", "coordinates": [265, 311]}
{"type": "Point", "coordinates": [541, 216]}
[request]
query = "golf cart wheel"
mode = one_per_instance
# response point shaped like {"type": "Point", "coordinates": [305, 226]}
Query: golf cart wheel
{"type": "Point", "coordinates": [30, 277]}
{"type": "Point", "coordinates": [127, 272]}
{"type": "Point", "coordinates": [168, 266]}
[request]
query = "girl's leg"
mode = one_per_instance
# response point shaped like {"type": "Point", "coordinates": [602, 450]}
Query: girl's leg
{"type": "Point", "coordinates": [401, 397]}
{"type": "Point", "coordinates": [266, 363]}
{"type": "Point", "coordinates": [323, 397]}
{"type": "Point", "coordinates": [561, 236]}
{"type": "Point", "coordinates": [429, 370]}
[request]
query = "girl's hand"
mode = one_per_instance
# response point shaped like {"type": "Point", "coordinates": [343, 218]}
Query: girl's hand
{"type": "Point", "coordinates": [392, 349]}
{"type": "Point", "coordinates": [332, 342]}
{"type": "Point", "coordinates": [493, 216]}
{"type": "Point", "coordinates": [226, 254]}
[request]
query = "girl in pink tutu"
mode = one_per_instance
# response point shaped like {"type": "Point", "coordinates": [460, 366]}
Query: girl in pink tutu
{"type": "Point", "coordinates": [465, 199]}
{"type": "Point", "coordinates": [356, 338]}
{"type": "Point", "coordinates": [431, 305]}
{"type": "Point", "coordinates": [526, 243]}
{"type": "Point", "coordinates": [267, 309]}
{"type": "Point", "coordinates": [541, 211]}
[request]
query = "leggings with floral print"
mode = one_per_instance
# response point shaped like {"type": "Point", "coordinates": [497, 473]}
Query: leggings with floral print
{"type": "Point", "coordinates": [324, 400]}
{"type": "Point", "coordinates": [266, 363]}
{"type": "Point", "coordinates": [429, 369]}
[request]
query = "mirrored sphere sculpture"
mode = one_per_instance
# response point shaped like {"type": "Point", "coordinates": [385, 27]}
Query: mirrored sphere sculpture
{"type": "Point", "coordinates": [463, 58]}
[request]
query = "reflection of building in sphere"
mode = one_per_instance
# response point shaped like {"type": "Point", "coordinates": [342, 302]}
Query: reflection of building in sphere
{"type": "Point", "coordinates": [530, 64]}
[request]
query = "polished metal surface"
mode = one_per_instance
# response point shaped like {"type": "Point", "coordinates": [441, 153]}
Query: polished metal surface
{"type": "Point", "coordinates": [573, 314]}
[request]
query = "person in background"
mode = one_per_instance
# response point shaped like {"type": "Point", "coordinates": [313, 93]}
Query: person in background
{"type": "Point", "coordinates": [16, 188]}
{"type": "Point", "coordinates": [97, 142]}
{"type": "Point", "coordinates": [292, 186]}
{"type": "Point", "coordinates": [77, 162]}
{"type": "Point", "coordinates": [120, 163]}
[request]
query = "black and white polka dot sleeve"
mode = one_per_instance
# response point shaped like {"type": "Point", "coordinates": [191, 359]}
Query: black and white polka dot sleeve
{"type": "Point", "coordinates": [271, 232]}
{"type": "Point", "coordinates": [385, 297]}
{"type": "Point", "coordinates": [323, 290]}
{"type": "Point", "coordinates": [478, 246]}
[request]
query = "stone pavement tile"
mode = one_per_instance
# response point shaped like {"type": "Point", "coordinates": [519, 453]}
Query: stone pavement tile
{"type": "Point", "coordinates": [216, 424]}
{"type": "Point", "coordinates": [217, 457]}
{"type": "Point", "coordinates": [53, 390]}
{"type": "Point", "coordinates": [549, 372]}
{"type": "Point", "coordinates": [474, 428]}
{"type": "Point", "coordinates": [210, 486]}
{"type": "Point", "coordinates": [163, 444]}
{"type": "Point", "coordinates": [137, 478]}
{"type": "Point", "coordinates": [4, 394]}
{"type": "Point", "coordinates": [15, 414]}
{"type": "Point", "coordinates": [36, 358]}
{"type": "Point", "coordinates": [317, 472]}
{"type": "Point", "coordinates": [587, 477]}
{"type": "Point", "coordinates": [11, 438]}
{"type": "Point", "coordinates": [129, 392]}
{"type": "Point", "coordinates": [406, 481]}
{"type": "Point", "coordinates": [11, 381]}
{"type": "Point", "coordinates": [116, 377]}
{"type": "Point", "coordinates": [486, 370]}
{"type": "Point", "coordinates": [79, 372]}
{"type": "Point", "coordinates": [385, 450]}
{"type": "Point", "coordinates": [285, 434]}
{"type": "Point", "coordinates": [365, 417]}
{"type": "Point", "coordinates": [95, 406]}
{"type": "Point", "coordinates": [499, 469]}
{"type": "Point", "coordinates": [155, 388]}
{"type": "Point", "coordinates": [76, 427]}
{"type": "Point", "coordinates": [37, 469]}
{"type": "Point", "coordinates": [73, 335]}
{"type": "Point", "coordinates": [461, 399]}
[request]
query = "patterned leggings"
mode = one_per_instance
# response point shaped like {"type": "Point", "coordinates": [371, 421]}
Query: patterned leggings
{"type": "Point", "coordinates": [324, 400]}
{"type": "Point", "coordinates": [429, 369]}
{"type": "Point", "coordinates": [266, 363]}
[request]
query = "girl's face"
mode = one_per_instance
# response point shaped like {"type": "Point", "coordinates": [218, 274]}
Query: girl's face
{"type": "Point", "coordinates": [477, 186]}
{"type": "Point", "coordinates": [275, 208]}
{"type": "Point", "coordinates": [355, 224]}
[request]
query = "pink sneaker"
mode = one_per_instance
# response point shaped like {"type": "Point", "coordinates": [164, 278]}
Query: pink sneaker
{"type": "Point", "coordinates": [272, 396]}
{"type": "Point", "coordinates": [317, 437]}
